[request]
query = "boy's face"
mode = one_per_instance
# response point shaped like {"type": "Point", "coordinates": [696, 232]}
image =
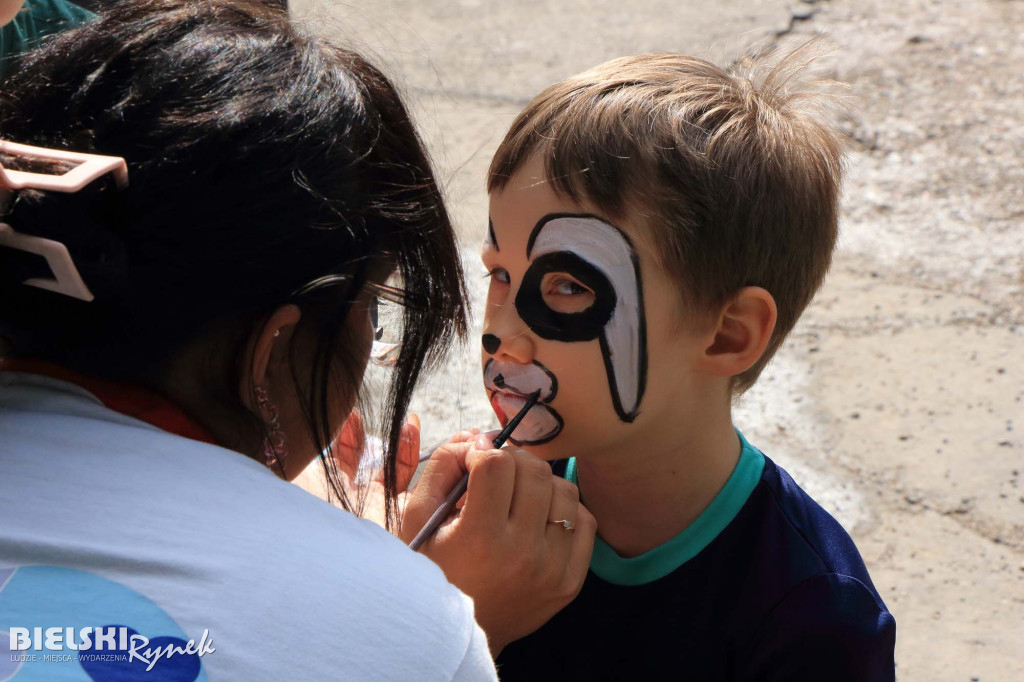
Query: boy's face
{"type": "Point", "coordinates": [579, 308]}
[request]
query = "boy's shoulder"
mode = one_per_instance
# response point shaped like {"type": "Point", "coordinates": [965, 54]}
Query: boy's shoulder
{"type": "Point", "coordinates": [815, 542]}
{"type": "Point", "coordinates": [805, 579]}
{"type": "Point", "coordinates": [804, 588]}
{"type": "Point", "coordinates": [780, 593]}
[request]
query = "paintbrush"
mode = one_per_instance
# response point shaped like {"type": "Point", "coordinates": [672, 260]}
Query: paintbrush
{"type": "Point", "coordinates": [438, 517]}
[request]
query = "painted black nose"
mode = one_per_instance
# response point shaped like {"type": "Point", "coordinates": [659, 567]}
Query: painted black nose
{"type": "Point", "coordinates": [491, 343]}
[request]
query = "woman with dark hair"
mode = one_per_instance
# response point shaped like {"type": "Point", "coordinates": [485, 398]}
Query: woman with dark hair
{"type": "Point", "coordinates": [206, 336]}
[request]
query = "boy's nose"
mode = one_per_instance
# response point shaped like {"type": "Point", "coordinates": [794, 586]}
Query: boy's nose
{"type": "Point", "coordinates": [515, 348]}
{"type": "Point", "coordinates": [491, 343]}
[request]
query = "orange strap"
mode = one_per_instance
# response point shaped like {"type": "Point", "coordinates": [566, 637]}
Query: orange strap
{"type": "Point", "coordinates": [133, 401]}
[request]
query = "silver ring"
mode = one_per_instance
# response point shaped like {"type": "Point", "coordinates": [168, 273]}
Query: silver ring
{"type": "Point", "coordinates": [566, 524]}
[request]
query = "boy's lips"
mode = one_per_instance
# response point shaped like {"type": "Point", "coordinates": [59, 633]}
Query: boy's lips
{"type": "Point", "coordinates": [540, 424]}
{"type": "Point", "coordinates": [509, 385]}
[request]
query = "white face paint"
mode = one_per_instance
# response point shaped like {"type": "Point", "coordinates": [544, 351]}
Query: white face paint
{"type": "Point", "coordinates": [601, 257]}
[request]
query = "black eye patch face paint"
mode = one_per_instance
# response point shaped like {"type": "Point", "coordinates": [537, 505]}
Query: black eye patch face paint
{"type": "Point", "coordinates": [549, 324]}
{"type": "Point", "coordinates": [602, 258]}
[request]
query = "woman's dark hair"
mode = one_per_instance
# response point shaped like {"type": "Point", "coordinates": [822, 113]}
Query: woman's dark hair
{"type": "Point", "coordinates": [260, 159]}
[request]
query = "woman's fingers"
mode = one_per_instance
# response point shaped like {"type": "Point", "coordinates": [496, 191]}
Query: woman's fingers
{"type": "Point", "coordinates": [534, 488]}
{"type": "Point", "coordinates": [565, 507]}
{"type": "Point", "coordinates": [465, 436]}
{"type": "Point", "coordinates": [408, 452]}
{"type": "Point", "coordinates": [442, 473]}
{"type": "Point", "coordinates": [349, 445]}
{"type": "Point", "coordinates": [346, 449]}
{"type": "Point", "coordinates": [492, 480]}
{"type": "Point", "coordinates": [352, 433]}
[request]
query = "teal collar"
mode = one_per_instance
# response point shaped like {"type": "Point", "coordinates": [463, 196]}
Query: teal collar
{"type": "Point", "coordinates": [667, 557]}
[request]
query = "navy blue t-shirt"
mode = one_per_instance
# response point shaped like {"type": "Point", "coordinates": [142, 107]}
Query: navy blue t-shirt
{"type": "Point", "coordinates": [764, 585]}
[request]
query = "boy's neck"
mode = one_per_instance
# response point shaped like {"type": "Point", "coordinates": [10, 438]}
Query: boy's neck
{"type": "Point", "coordinates": [646, 497]}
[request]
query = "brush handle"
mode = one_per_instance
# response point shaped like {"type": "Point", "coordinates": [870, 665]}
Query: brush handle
{"type": "Point", "coordinates": [442, 512]}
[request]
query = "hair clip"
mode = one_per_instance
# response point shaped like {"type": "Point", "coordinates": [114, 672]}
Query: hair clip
{"type": "Point", "coordinates": [66, 278]}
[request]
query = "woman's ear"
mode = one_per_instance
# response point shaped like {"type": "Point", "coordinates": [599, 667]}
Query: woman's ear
{"type": "Point", "coordinates": [269, 351]}
{"type": "Point", "coordinates": [745, 326]}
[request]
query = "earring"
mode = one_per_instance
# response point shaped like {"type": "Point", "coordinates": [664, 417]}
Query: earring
{"type": "Point", "coordinates": [273, 444]}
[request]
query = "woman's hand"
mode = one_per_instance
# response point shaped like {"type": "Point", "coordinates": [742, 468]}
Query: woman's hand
{"type": "Point", "coordinates": [366, 482]}
{"type": "Point", "coordinates": [503, 548]}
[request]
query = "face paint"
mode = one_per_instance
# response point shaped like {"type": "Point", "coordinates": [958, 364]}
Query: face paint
{"type": "Point", "coordinates": [509, 384]}
{"type": "Point", "coordinates": [558, 326]}
{"type": "Point", "coordinates": [601, 257]}
{"type": "Point", "coordinates": [491, 343]}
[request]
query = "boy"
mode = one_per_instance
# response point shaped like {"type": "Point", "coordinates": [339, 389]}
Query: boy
{"type": "Point", "coordinates": [657, 226]}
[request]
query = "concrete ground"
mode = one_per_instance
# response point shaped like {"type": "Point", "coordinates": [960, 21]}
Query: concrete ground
{"type": "Point", "coordinates": [898, 401]}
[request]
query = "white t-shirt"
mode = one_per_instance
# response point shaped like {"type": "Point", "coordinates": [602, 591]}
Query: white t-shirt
{"type": "Point", "coordinates": [109, 523]}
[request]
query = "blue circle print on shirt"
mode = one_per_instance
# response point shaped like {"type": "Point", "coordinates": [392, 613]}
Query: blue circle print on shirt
{"type": "Point", "coordinates": [56, 597]}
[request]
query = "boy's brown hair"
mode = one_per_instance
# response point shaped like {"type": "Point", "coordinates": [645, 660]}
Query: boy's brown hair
{"type": "Point", "coordinates": [733, 173]}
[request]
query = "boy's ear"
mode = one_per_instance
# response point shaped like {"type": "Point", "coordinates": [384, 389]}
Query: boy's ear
{"type": "Point", "coordinates": [745, 325]}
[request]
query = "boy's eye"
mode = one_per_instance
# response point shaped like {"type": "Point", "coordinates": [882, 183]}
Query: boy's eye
{"type": "Point", "coordinates": [568, 287]}
{"type": "Point", "coordinates": [564, 294]}
{"type": "Point", "coordinates": [499, 275]}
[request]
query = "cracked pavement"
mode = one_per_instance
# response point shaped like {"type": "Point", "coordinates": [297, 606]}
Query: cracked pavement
{"type": "Point", "coordinates": [898, 401]}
